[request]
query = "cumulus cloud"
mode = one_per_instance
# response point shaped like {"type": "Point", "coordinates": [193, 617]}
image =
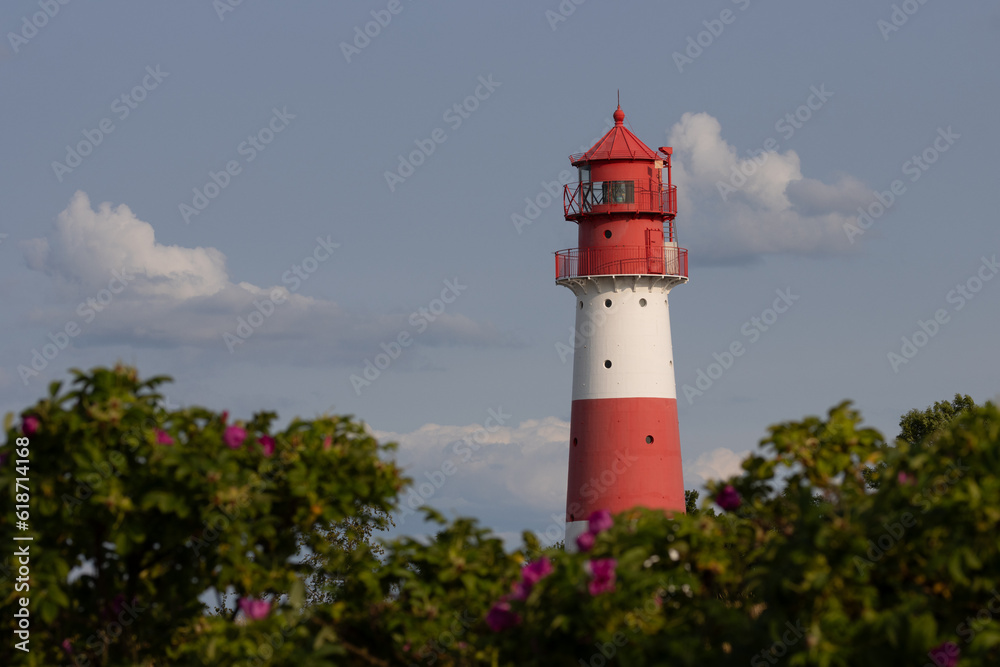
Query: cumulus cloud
{"type": "Point", "coordinates": [86, 244]}
{"type": "Point", "coordinates": [717, 464]}
{"type": "Point", "coordinates": [132, 290]}
{"type": "Point", "coordinates": [730, 216]}
{"type": "Point", "coordinates": [510, 476]}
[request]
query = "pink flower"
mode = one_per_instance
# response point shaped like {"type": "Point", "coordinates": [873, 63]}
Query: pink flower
{"type": "Point", "coordinates": [905, 478]}
{"type": "Point", "coordinates": [255, 609]}
{"type": "Point", "coordinates": [521, 590]}
{"type": "Point", "coordinates": [327, 441]}
{"type": "Point", "coordinates": [602, 575]}
{"type": "Point", "coordinates": [537, 571]}
{"type": "Point", "coordinates": [234, 436]}
{"type": "Point", "coordinates": [267, 442]}
{"type": "Point", "coordinates": [945, 654]}
{"type": "Point", "coordinates": [500, 617]}
{"type": "Point", "coordinates": [728, 499]}
{"type": "Point", "coordinates": [29, 425]}
{"type": "Point", "coordinates": [224, 416]}
{"type": "Point", "coordinates": [530, 576]}
{"type": "Point", "coordinates": [599, 521]}
{"type": "Point", "coordinates": [67, 645]}
{"type": "Point", "coordinates": [163, 438]}
{"type": "Point", "coordinates": [406, 648]}
{"type": "Point", "coordinates": [585, 542]}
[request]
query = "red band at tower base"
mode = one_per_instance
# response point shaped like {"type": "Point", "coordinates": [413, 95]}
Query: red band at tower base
{"type": "Point", "coordinates": [624, 452]}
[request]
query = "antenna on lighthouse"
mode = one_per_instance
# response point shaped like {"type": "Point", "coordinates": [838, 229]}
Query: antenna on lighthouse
{"type": "Point", "coordinates": [624, 442]}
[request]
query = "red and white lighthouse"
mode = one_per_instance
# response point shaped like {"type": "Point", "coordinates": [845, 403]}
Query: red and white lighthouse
{"type": "Point", "coordinates": [624, 442]}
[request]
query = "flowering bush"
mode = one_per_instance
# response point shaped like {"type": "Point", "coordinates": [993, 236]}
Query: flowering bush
{"type": "Point", "coordinates": [808, 564]}
{"type": "Point", "coordinates": [136, 511]}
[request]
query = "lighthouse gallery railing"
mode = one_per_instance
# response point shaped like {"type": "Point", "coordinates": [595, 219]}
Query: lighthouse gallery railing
{"type": "Point", "coordinates": [666, 260]}
{"type": "Point", "coordinates": [595, 197]}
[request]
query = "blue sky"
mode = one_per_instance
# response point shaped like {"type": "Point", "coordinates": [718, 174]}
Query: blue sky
{"type": "Point", "coordinates": [243, 154]}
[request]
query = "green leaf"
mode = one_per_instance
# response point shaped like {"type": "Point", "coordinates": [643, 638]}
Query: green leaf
{"type": "Point", "coordinates": [297, 594]}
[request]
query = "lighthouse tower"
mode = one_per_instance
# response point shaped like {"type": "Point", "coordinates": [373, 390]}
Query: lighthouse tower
{"type": "Point", "coordinates": [624, 442]}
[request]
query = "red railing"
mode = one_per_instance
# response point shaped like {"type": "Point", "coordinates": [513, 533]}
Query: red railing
{"type": "Point", "coordinates": [665, 260]}
{"type": "Point", "coordinates": [596, 197]}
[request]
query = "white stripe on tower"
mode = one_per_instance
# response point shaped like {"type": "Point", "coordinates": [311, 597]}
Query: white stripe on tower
{"type": "Point", "coordinates": [630, 329]}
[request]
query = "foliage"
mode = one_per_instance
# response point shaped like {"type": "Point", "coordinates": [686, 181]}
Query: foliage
{"type": "Point", "coordinates": [811, 568]}
{"type": "Point", "coordinates": [917, 427]}
{"type": "Point", "coordinates": [154, 507]}
{"type": "Point", "coordinates": [350, 535]}
{"type": "Point", "coordinates": [691, 501]}
{"type": "Point", "coordinates": [805, 565]}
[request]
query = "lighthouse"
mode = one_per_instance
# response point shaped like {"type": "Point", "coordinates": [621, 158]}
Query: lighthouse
{"type": "Point", "coordinates": [624, 448]}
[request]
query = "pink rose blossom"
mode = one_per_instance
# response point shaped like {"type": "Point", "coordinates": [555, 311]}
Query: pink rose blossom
{"type": "Point", "coordinates": [905, 478]}
{"type": "Point", "coordinates": [585, 542]}
{"type": "Point", "coordinates": [327, 441]}
{"type": "Point", "coordinates": [163, 438]}
{"type": "Point", "coordinates": [945, 654]}
{"type": "Point", "coordinates": [530, 576]}
{"type": "Point", "coordinates": [521, 590]}
{"type": "Point", "coordinates": [234, 436]}
{"type": "Point", "coordinates": [67, 645]}
{"type": "Point", "coordinates": [599, 521]}
{"type": "Point", "coordinates": [267, 442]}
{"type": "Point", "coordinates": [255, 609]}
{"type": "Point", "coordinates": [602, 575]}
{"type": "Point", "coordinates": [537, 571]}
{"type": "Point", "coordinates": [500, 617]}
{"type": "Point", "coordinates": [728, 499]}
{"type": "Point", "coordinates": [30, 425]}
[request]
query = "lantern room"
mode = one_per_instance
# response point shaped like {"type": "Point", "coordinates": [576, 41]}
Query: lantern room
{"type": "Point", "coordinates": [624, 209]}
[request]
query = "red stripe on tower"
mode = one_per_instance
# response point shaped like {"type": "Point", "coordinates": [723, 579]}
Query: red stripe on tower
{"type": "Point", "coordinates": [624, 441]}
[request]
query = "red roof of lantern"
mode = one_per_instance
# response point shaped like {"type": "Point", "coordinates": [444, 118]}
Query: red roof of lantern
{"type": "Point", "coordinates": [618, 144]}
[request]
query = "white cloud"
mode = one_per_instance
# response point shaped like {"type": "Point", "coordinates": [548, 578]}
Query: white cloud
{"type": "Point", "coordinates": [177, 296]}
{"type": "Point", "coordinates": [510, 476]}
{"type": "Point", "coordinates": [719, 463]}
{"type": "Point", "coordinates": [86, 244]}
{"type": "Point", "coordinates": [776, 210]}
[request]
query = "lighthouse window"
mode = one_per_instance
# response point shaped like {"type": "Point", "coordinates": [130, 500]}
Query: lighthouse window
{"type": "Point", "coordinates": [607, 303]}
{"type": "Point", "coordinates": [649, 439]}
{"type": "Point", "coordinates": [619, 192]}
{"type": "Point", "coordinates": [607, 233]}
{"type": "Point", "coordinates": [607, 363]}
{"type": "Point", "coordinates": [581, 305]}
{"type": "Point", "coordinates": [642, 303]}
